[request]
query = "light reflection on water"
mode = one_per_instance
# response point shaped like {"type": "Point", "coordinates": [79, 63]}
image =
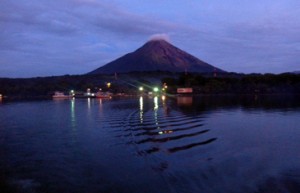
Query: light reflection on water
{"type": "Point", "coordinates": [73, 118]}
{"type": "Point", "coordinates": [141, 109]}
{"type": "Point", "coordinates": [159, 144]}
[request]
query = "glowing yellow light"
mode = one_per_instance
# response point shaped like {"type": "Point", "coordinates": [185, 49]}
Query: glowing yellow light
{"type": "Point", "coordinates": [163, 97]}
{"type": "Point", "coordinates": [141, 88]}
{"type": "Point", "coordinates": [108, 85]}
{"type": "Point", "coordinates": [165, 86]}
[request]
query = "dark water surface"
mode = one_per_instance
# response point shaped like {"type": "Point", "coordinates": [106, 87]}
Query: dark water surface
{"type": "Point", "coordinates": [151, 145]}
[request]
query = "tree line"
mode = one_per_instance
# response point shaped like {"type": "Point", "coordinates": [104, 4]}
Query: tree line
{"type": "Point", "coordinates": [231, 83]}
{"type": "Point", "coordinates": [237, 83]}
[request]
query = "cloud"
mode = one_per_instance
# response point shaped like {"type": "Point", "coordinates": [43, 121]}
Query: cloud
{"type": "Point", "coordinates": [160, 37]}
{"type": "Point", "coordinates": [48, 34]}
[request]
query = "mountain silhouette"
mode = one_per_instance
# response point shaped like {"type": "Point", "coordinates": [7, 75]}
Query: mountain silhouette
{"type": "Point", "coordinates": [157, 55]}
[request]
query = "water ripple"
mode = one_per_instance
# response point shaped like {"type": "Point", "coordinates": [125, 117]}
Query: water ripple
{"type": "Point", "coordinates": [146, 127]}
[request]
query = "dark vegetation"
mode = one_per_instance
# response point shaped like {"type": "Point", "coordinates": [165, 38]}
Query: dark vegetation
{"type": "Point", "coordinates": [286, 83]}
{"type": "Point", "coordinates": [44, 87]}
{"type": "Point", "coordinates": [128, 83]}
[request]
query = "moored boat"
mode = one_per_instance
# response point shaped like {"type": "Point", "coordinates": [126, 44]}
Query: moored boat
{"type": "Point", "coordinates": [60, 95]}
{"type": "Point", "coordinates": [103, 95]}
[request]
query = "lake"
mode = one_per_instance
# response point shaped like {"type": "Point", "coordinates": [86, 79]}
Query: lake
{"type": "Point", "coordinates": [151, 145]}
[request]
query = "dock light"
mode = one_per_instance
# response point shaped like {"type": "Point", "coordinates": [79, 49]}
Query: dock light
{"type": "Point", "coordinates": [155, 89]}
{"type": "Point", "coordinates": [108, 85]}
{"type": "Point", "coordinates": [72, 92]}
{"type": "Point", "coordinates": [88, 91]}
{"type": "Point", "coordinates": [141, 88]}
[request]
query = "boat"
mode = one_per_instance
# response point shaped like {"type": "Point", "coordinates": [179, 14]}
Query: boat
{"type": "Point", "coordinates": [88, 94]}
{"type": "Point", "coordinates": [60, 95]}
{"type": "Point", "coordinates": [103, 95]}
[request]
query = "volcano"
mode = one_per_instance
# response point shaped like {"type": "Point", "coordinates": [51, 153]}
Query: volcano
{"type": "Point", "coordinates": [157, 55]}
